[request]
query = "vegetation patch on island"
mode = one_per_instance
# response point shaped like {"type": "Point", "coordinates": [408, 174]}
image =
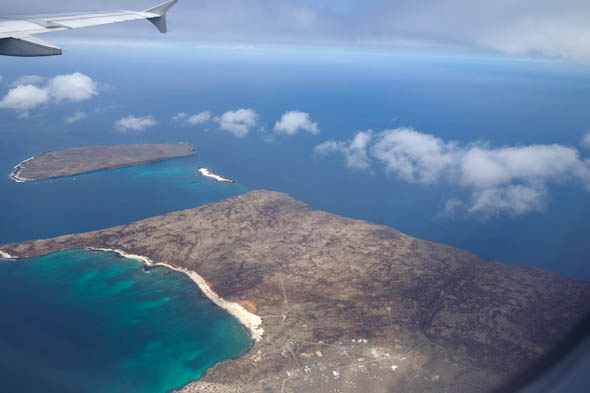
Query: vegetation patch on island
{"type": "Point", "coordinates": [79, 160]}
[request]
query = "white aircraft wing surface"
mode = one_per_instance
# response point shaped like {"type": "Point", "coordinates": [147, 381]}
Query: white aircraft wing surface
{"type": "Point", "coordinates": [16, 35]}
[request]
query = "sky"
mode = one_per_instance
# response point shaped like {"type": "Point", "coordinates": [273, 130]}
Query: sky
{"type": "Point", "coordinates": [455, 112]}
{"type": "Point", "coordinates": [514, 27]}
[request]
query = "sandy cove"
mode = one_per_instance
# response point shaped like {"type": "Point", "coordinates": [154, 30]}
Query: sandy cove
{"type": "Point", "coordinates": [251, 321]}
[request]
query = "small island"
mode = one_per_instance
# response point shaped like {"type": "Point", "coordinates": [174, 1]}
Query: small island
{"type": "Point", "coordinates": [80, 160]}
{"type": "Point", "coordinates": [336, 304]}
{"type": "Point", "coordinates": [211, 174]}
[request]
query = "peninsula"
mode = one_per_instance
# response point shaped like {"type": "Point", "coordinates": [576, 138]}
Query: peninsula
{"type": "Point", "coordinates": [211, 174]}
{"type": "Point", "coordinates": [336, 304]}
{"type": "Point", "coordinates": [79, 160]}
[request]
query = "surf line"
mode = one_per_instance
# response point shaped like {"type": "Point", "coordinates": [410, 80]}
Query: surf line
{"type": "Point", "coordinates": [251, 321]}
{"type": "Point", "coordinates": [5, 255]}
{"type": "Point", "coordinates": [14, 174]}
{"type": "Point", "coordinates": [209, 173]}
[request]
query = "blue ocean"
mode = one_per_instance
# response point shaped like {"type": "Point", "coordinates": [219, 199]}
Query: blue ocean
{"type": "Point", "coordinates": [82, 321]}
{"type": "Point", "coordinates": [496, 100]}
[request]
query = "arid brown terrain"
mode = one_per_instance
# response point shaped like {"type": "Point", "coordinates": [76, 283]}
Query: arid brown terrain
{"type": "Point", "coordinates": [349, 306]}
{"type": "Point", "coordinates": [95, 158]}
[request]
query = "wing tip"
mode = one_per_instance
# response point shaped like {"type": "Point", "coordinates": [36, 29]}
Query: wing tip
{"type": "Point", "coordinates": [160, 23]}
{"type": "Point", "coordinates": [162, 8]}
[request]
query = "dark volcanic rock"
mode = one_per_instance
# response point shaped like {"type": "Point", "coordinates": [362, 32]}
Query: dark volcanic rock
{"type": "Point", "coordinates": [319, 281]}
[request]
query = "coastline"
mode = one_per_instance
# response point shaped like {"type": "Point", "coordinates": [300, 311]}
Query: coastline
{"type": "Point", "coordinates": [5, 255]}
{"type": "Point", "coordinates": [320, 330]}
{"type": "Point", "coordinates": [251, 321]}
{"type": "Point", "coordinates": [14, 174]}
{"type": "Point", "coordinates": [211, 174]}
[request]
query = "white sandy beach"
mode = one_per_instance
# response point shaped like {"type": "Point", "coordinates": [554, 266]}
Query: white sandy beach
{"type": "Point", "coordinates": [251, 321]}
{"type": "Point", "coordinates": [209, 173]}
{"type": "Point", "coordinates": [14, 174]}
{"type": "Point", "coordinates": [6, 255]}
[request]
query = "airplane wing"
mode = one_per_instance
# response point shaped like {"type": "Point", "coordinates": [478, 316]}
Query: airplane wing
{"type": "Point", "coordinates": [16, 35]}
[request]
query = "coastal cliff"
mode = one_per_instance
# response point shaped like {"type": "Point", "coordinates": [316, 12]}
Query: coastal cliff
{"type": "Point", "coordinates": [347, 304]}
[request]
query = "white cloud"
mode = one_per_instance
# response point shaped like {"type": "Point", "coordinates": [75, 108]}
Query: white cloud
{"type": "Point", "coordinates": [510, 179]}
{"type": "Point", "coordinates": [585, 143]}
{"type": "Point", "coordinates": [72, 87]}
{"type": "Point", "coordinates": [132, 123]}
{"type": "Point", "coordinates": [29, 80]}
{"type": "Point", "coordinates": [547, 27]}
{"type": "Point", "coordinates": [355, 151]}
{"type": "Point", "coordinates": [238, 122]}
{"type": "Point", "coordinates": [180, 116]}
{"type": "Point", "coordinates": [549, 35]}
{"type": "Point", "coordinates": [192, 120]}
{"type": "Point", "coordinates": [414, 156]}
{"type": "Point", "coordinates": [452, 207]}
{"type": "Point", "coordinates": [293, 121]}
{"type": "Point", "coordinates": [76, 117]}
{"type": "Point", "coordinates": [29, 93]}
{"type": "Point", "coordinates": [485, 168]}
{"type": "Point", "coordinates": [199, 118]}
{"type": "Point", "coordinates": [24, 98]}
{"type": "Point", "coordinates": [514, 199]}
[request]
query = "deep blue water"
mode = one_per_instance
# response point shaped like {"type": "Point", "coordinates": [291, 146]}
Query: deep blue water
{"type": "Point", "coordinates": [479, 98]}
{"type": "Point", "coordinates": [107, 198]}
{"type": "Point", "coordinates": [502, 101]}
{"type": "Point", "coordinates": [81, 321]}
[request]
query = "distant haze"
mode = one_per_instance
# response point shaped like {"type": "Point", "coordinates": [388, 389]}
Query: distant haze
{"type": "Point", "coordinates": [516, 27]}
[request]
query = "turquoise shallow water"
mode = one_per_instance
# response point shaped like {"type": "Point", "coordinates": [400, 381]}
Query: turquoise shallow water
{"type": "Point", "coordinates": [104, 199]}
{"type": "Point", "coordinates": [81, 321]}
{"type": "Point", "coordinates": [497, 101]}
{"type": "Point", "coordinates": [468, 99]}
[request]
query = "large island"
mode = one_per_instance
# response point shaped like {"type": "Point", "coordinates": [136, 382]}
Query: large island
{"type": "Point", "coordinates": [79, 160]}
{"type": "Point", "coordinates": [336, 304]}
